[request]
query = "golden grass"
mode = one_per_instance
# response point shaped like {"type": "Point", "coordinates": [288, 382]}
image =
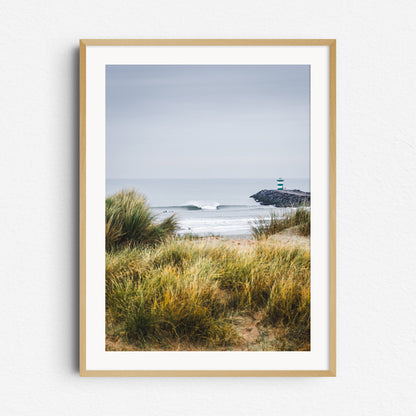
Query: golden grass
{"type": "Point", "coordinates": [129, 222]}
{"type": "Point", "coordinates": [265, 227]}
{"type": "Point", "coordinates": [193, 295]}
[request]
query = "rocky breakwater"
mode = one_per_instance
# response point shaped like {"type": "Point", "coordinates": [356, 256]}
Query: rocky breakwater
{"type": "Point", "coordinates": [287, 198]}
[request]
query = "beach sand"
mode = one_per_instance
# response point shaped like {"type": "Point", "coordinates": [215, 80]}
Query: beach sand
{"type": "Point", "coordinates": [289, 237]}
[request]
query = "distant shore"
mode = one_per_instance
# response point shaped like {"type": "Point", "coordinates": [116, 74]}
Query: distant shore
{"type": "Point", "coordinates": [283, 199]}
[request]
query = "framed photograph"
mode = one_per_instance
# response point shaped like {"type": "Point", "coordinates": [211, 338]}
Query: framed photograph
{"type": "Point", "coordinates": [207, 207]}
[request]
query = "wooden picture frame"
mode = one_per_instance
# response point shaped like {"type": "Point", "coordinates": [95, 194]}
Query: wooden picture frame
{"type": "Point", "coordinates": [88, 175]}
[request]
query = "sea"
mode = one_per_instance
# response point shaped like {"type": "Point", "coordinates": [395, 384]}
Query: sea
{"type": "Point", "coordinates": [204, 207]}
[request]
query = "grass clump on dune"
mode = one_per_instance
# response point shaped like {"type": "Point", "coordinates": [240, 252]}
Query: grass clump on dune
{"type": "Point", "coordinates": [265, 227]}
{"type": "Point", "coordinates": [129, 222]}
{"type": "Point", "coordinates": [158, 303]}
{"type": "Point", "coordinates": [186, 294]}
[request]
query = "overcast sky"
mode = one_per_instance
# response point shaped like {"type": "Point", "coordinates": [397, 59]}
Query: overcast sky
{"type": "Point", "coordinates": [207, 121]}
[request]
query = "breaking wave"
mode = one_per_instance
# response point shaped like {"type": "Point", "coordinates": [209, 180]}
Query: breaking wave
{"type": "Point", "coordinates": [201, 205]}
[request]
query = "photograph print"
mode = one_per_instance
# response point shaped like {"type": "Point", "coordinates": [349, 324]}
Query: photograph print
{"type": "Point", "coordinates": [207, 208]}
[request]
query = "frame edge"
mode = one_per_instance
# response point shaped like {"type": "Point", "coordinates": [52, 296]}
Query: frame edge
{"type": "Point", "coordinates": [332, 207]}
{"type": "Point", "coordinates": [207, 42]}
{"type": "Point", "coordinates": [82, 208]}
{"type": "Point", "coordinates": [83, 43]}
{"type": "Point", "coordinates": [208, 373]}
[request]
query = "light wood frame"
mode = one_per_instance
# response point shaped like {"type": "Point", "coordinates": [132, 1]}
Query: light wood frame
{"type": "Point", "coordinates": [331, 43]}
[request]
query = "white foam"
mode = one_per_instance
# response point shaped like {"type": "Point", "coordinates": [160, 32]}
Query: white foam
{"type": "Point", "coordinates": [206, 205]}
{"type": "Point", "coordinates": [234, 226]}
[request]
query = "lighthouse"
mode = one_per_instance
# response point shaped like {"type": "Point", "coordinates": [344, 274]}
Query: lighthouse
{"type": "Point", "coordinates": [280, 184]}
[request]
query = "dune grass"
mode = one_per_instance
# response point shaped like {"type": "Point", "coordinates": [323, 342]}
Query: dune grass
{"type": "Point", "coordinates": [185, 294]}
{"type": "Point", "coordinates": [165, 292]}
{"type": "Point", "coordinates": [265, 227]}
{"type": "Point", "coordinates": [129, 222]}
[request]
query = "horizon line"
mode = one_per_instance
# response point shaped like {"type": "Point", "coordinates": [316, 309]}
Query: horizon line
{"type": "Point", "coordinates": [193, 178]}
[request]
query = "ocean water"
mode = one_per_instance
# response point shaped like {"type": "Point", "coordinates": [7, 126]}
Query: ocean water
{"type": "Point", "coordinates": [207, 206]}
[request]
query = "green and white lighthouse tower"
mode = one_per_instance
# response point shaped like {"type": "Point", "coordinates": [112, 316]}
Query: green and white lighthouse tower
{"type": "Point", "coordinates": [280, 184]}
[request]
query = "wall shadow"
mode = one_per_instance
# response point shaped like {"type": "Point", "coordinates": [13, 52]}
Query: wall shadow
{"type": "Point", "coordinates": [74, 97]}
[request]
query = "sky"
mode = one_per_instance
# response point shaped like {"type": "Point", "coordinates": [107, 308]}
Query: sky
{"type": "Point", "coordinates": [207, 121]}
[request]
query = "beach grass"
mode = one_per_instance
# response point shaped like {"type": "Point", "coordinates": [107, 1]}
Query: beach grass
{"type": "Point", "coordinates": [191, 295]}
{"type": "Point", "coordinates": [265, 227]}
{"type": "Point", "coordinates": [130, 222]}
{"type": "Point", "coordinates": [165, 292]}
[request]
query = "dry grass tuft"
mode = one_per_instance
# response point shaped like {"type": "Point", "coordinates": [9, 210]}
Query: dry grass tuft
{"type": "Point", "coordinates": [190, 293]}
{"type": "Point", "coordinates": [129, 222]}
{"type": "Point", "coordinates": [265, 227]}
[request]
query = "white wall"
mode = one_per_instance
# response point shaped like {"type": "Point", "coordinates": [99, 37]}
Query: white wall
{"type": "Point", "coordinates": [376, 206]}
